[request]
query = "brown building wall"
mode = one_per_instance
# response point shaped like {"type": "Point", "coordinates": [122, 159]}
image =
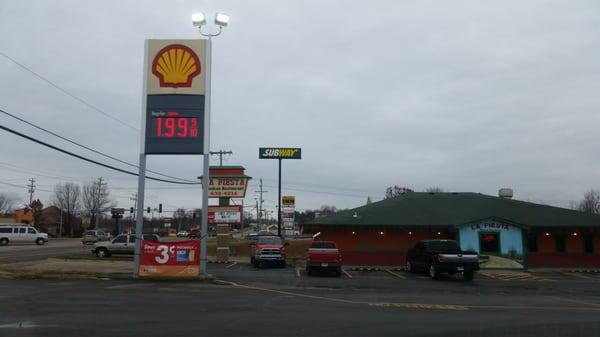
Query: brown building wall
{"type": "Point", "coordinates": [380, 239]}
{"type": "Point", "coordinates": [546, 244]}
{"type": "Point", "coordinates": [574, 243]}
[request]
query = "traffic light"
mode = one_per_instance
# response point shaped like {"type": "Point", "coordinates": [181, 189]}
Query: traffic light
{"type": "Point", "coordinates": [148, 210]}
{"type": "Point", "coordinates": [131, 210]}
{"type": "Point", "coordinates": [159, 208]}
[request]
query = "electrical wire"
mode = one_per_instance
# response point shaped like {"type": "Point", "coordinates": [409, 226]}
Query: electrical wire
{"type": "Point", "coordinates": [83, 146]}
{"type": "Point", "coordinates": [90, 160]}
{"type": "Point", "coordinates": [64, 91]}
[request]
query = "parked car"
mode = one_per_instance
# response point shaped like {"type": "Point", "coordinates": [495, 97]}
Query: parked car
{"type": "Point", "coordinates": [121, 244]}
{"type": "Point", "coordinates": [182, 234]}
{"type": "Point", "coordinates": [442, 256]}
{"type": "Point", "coordinates": [323, 256]}
{"type": "Point", "coordinates": [194, 233]}
{"type": "Point", "coordinates": [93, 236]}
{"type": "Point", "coordinates": [268, 249]}
{"type": "Point", "coordinates": [21, 233]}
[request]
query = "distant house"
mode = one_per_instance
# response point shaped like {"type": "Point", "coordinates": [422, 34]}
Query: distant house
{"type": "Point", "coordinates": [529, 234]}
{"type": "Point", "coordinates": [24, 215]}
{"type": "Point", "coordinates": [52, 218]}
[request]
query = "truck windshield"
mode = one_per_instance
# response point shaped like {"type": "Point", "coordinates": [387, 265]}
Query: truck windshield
{"type": "Point", "coordinates": [269, 239]}
{"type": "Point", "coordinates": [443, 246]}
{"type": "Point", "coordinates": [323, 245]}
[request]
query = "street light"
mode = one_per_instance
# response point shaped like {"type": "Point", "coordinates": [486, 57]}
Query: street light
{"type": "Point", "coordinates": [199, 20]}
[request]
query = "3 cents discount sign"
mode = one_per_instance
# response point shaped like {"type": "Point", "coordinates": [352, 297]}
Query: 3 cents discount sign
{"type": "Point", "coordinates": [170, 258]}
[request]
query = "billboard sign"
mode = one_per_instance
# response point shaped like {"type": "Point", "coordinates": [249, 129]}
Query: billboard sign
{"type": "Point", "coordinates": [223, 187]}
{"type": "Point", "coordinates": [224, 214]}
{"type": "Point", "coordinates": [174, 89]}
{"type": "Point", "coordinates": [288, 201]}
{"type": "Point", "coordinates": [178, 259]}
{"type": "Point", "coordinates": [279, 153]}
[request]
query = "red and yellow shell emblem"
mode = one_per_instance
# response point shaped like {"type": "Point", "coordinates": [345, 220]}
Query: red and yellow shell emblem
{"type": "Point", "coordinates": [176, 66]}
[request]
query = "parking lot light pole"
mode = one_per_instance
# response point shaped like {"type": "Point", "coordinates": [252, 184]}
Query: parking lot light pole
{"type": "Point", "coordinates": [199, 20]}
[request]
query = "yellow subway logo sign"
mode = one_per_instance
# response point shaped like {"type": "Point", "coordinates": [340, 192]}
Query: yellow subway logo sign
{"type": "Point", "coordinates": [279, 153]}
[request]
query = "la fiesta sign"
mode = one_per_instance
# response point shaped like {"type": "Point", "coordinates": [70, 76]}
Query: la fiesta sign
{"type": "Point", "coordinates": [490, 226]}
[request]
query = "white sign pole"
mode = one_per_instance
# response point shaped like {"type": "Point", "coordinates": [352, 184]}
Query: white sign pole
{"type": "Point", "coordinates": [205, 177]}
{"type": "Point", "coordinates": [139, 212]}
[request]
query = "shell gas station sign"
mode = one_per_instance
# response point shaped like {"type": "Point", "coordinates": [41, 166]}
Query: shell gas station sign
{"type": "Point", "coordinates": [175, 88]}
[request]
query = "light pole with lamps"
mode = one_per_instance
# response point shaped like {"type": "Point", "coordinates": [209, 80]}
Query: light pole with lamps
{"type": "Point", "coordinates": [199, 20]}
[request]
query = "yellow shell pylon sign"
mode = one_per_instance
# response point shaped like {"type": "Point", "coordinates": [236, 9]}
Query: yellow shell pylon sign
{"type": "Point", "coordinates": [175, 66]}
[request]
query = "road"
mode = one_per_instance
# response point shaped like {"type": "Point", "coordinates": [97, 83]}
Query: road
{"type": "Point", "coordinates": [27, 252]}
{"type": "Point", "coordinates": [285, 302]}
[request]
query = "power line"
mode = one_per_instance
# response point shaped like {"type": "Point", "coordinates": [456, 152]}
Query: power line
{"type": "Point", "coordinates": [64, 91]}
{"type": "Point", "coordinates": [83, 146]}
{"type": "Point", "coordinates": [90, 160]}
{"type": "Point", "coordinates": [21, 186]}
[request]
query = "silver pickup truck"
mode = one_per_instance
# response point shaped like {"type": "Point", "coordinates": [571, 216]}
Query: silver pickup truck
{"type": "Point", "coordinates": [121, 244]}
{"type": "Point", "coordinates": [442, 256]}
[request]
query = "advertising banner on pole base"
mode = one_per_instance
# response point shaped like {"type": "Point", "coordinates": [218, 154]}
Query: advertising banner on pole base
{"type": "Point", "coordinates": [170, 259]}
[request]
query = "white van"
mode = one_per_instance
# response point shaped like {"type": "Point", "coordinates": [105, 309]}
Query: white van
{"type": "Point", "coordinates": [21, 233]}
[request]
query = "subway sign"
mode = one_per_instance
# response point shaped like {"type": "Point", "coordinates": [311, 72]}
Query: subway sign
{"type": "Point", "coordinates": [279, 153]}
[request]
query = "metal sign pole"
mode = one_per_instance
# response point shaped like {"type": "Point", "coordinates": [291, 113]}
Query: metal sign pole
{"type": "Point", "coordinates": [139, 223]}
{"type": "Point", "coordinates": [279, 203]}
{"type": "Point", "coordinates": [206, 155]}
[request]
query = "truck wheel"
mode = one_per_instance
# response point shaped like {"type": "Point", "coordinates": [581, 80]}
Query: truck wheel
{"type": "Point", "coordinates": [468, 275]}
{"type": "Point", "coordinates": [3, 242]}
{"type": "Point", "coordinates": [309, 271]}
{"type": "Point", "coordinates": [102, 252]}
{"type": "Point", "coordinates": [338, 272]}
{"type": "Point", "coordinates": [39, 241]}
{"type": "Point", "coordinates": [433, 273]}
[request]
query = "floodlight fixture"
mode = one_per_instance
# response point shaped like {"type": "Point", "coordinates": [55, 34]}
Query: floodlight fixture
{"type": "Point", "coordinates": [221, 20]}
{"type": "Point", "coordinates": [198, 19]}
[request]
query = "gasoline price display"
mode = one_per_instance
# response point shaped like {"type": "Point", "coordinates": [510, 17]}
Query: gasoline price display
{"type": "Point", "coordinates": [174, 126]}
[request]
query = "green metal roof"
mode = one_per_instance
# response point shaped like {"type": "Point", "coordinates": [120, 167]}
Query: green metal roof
{"type": "Point", "coordinates": [454, 209]}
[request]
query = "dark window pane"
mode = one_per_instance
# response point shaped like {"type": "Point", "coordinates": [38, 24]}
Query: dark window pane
{"type": "Point", "coordinates": [560, 243]}
{"type": "Point", "coordinates": [588, 243]}
{"type": "Point", "coordinates": [30, 230]}
{"type": "Point", "coordinates": [443, 246]}
{"type": "Point", "coordinates": [532, 243]}
{"type": "Point", "coordinates": [323, 245]}
{"type": "Point", "coordinates": [120, 239]}
{"type": "Point", "coordinates": [22, 230]}
{"type": "Point", "coordinates": [5, 229]}
{"type": "Point", "coordinates": [489, 242]}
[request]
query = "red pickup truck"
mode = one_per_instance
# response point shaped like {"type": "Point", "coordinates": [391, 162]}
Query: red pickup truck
{"type": "Point", "coordinates": [323, 255]}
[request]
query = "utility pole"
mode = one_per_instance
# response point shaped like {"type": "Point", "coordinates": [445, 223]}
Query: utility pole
{"type": "Point", "coordinates": [220, 153]}
{"type": "Point", "coordinates": [96, 212]}
{"type": "Point", "coordinates": [260, 201]}
{"type": "Point", "coordinates": [257, 216]}
{"type": "Point", "coordinates": [31, 189]}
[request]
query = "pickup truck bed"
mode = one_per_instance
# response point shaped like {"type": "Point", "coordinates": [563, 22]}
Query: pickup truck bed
{"type": "Point", "coordinates": [323, 255]}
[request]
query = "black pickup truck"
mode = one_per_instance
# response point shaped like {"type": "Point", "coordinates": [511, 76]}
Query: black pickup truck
{"type": "Point", "coordinates": [442, 256]}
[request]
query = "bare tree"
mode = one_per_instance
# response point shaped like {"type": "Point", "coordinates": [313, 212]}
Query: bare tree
{"type": "Point", "coordinates": [179, 217]}
{"type": "Point", "coordinates": [66, 198]}
{"type": "Point", "coordinates": [6, 203]}
{"type": "Point", "coordinates": [96, 199]}
{"type": "Point", "coordinates": [434, 190]}
{"type": "Point", "coordinates": [36, 207]}
{"type": "Point", "coordinates": [590, 202]}
{"type": "Point", "coordinates": [394, 191]}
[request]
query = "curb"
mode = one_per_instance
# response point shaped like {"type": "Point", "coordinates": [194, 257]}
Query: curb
{"type": "Point", "coordinates": [584, 271]}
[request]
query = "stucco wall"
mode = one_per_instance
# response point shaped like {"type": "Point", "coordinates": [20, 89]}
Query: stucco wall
{"type": "Point", "coordinates": [511, 238]}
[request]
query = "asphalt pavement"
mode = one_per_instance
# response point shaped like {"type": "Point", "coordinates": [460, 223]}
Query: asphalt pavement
{"type": "Point", "coordinates": [286, 302]}
{"type": "Point", "coordinates": [28, 252]}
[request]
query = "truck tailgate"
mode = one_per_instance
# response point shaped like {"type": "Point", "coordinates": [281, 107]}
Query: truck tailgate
{"type": "Point", "coordinates": [323, 255]}
{"type": "Point", "coordinates": [459, 258]}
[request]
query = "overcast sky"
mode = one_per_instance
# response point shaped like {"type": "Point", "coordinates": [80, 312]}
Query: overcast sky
{"type": "Point", "coordinates": [464, 95]}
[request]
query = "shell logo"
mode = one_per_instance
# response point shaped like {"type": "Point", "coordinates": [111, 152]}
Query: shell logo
{"type": "Point", "coordinates": [176, 66]}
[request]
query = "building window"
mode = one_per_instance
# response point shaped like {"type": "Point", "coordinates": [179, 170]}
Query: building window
{"type": "Point", "coordinates": [532, 245]}
{"type": "Point", "coordinates": [560, 243]}
{"type": "Point", "coordinates": [588, 243]}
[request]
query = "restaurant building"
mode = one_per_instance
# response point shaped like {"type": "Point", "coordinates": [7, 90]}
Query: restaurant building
{"type": "Point", "coordinates": [509, 232]}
